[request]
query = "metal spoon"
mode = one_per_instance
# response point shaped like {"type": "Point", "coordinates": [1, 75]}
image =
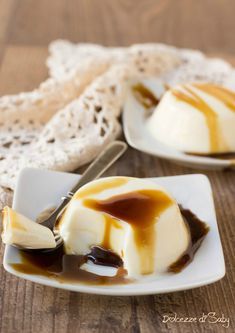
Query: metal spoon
{"type": "Point", "coordinates": [110, 154]}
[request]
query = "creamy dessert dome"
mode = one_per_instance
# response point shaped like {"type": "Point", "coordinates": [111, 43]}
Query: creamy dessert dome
{"type": "Point", "coordinates": [135, 218]}
{"type": "Point", "coordinates": [196, 118]}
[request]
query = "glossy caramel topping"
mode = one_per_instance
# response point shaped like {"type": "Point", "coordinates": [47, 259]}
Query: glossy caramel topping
{"type": "Point", "coordinates": [96, 188]}
{"type": "Point", "coordinates": [101, 256]}
{"type": "Point", "coordinates": [140, 209]}
{"type": "Point", "coordinates": [224, 95]}
{"type": "Point", "coordinates": [144, 96]}
{"type": "Point", "coordinates": [191, 97]}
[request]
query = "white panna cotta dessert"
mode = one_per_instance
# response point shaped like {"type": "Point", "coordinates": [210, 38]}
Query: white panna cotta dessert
{"type": "Point", "coordinates": [132, 226]}
{"type": "Point", "coordinates": [134, 218]}
{"type": "Point", "coordinates": [197, 118]}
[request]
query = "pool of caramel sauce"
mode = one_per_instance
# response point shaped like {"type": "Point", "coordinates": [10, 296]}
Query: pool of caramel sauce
{"type": "Point", "coordinates": [138, 208]}
{"type": "Point", "coordinates": [198, 230]}
{"type": "Point", "coordinates": [67, 268]}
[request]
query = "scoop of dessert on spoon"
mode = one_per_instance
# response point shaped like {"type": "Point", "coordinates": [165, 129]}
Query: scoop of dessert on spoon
{"type": "Point", "coordinates": [12, 220]}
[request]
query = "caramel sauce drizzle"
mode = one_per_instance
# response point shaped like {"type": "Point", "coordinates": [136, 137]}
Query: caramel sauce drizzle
{"type": "Point", "coordinates": [110, 223]}
{"type": "Point", "coordinates": [193, 99]}
{"type": "Point", "coordinates": [93, 189]}
{"type": "Point", "coordinates": [224, 95]}
{"type": "Point", "coordinates": [100, 187]}
{"type": "Point", "coordinates": [144, 96]}
{"type": "Point", "coordinates": [140, 209]}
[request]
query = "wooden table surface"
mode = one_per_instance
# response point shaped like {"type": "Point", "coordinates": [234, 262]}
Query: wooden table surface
{"type": "Point", "coordinates": [26, 27]}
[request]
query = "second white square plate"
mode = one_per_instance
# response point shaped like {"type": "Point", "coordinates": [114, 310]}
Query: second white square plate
{"type": "Point", "coordinates": [39, 189]}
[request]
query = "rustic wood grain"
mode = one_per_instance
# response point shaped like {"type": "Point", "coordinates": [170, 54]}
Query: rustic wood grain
{"type": "Point", "coordinates": [26, 27]}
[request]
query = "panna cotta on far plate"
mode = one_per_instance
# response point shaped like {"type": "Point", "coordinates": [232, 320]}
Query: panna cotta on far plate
{"type": "Point", "coordinates": [197, 118]}
{"type": "Point", "coordinates": [134, 218]}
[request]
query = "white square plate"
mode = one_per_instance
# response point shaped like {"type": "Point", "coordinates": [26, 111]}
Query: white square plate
{"type": "Point", "coordinates": [139, 137]}
{"type": "Point", "coordinates": [39, 189]}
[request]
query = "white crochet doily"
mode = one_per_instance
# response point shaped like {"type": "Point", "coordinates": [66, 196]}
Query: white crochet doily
{"type": "Point", "coordinates": [69, 119]}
